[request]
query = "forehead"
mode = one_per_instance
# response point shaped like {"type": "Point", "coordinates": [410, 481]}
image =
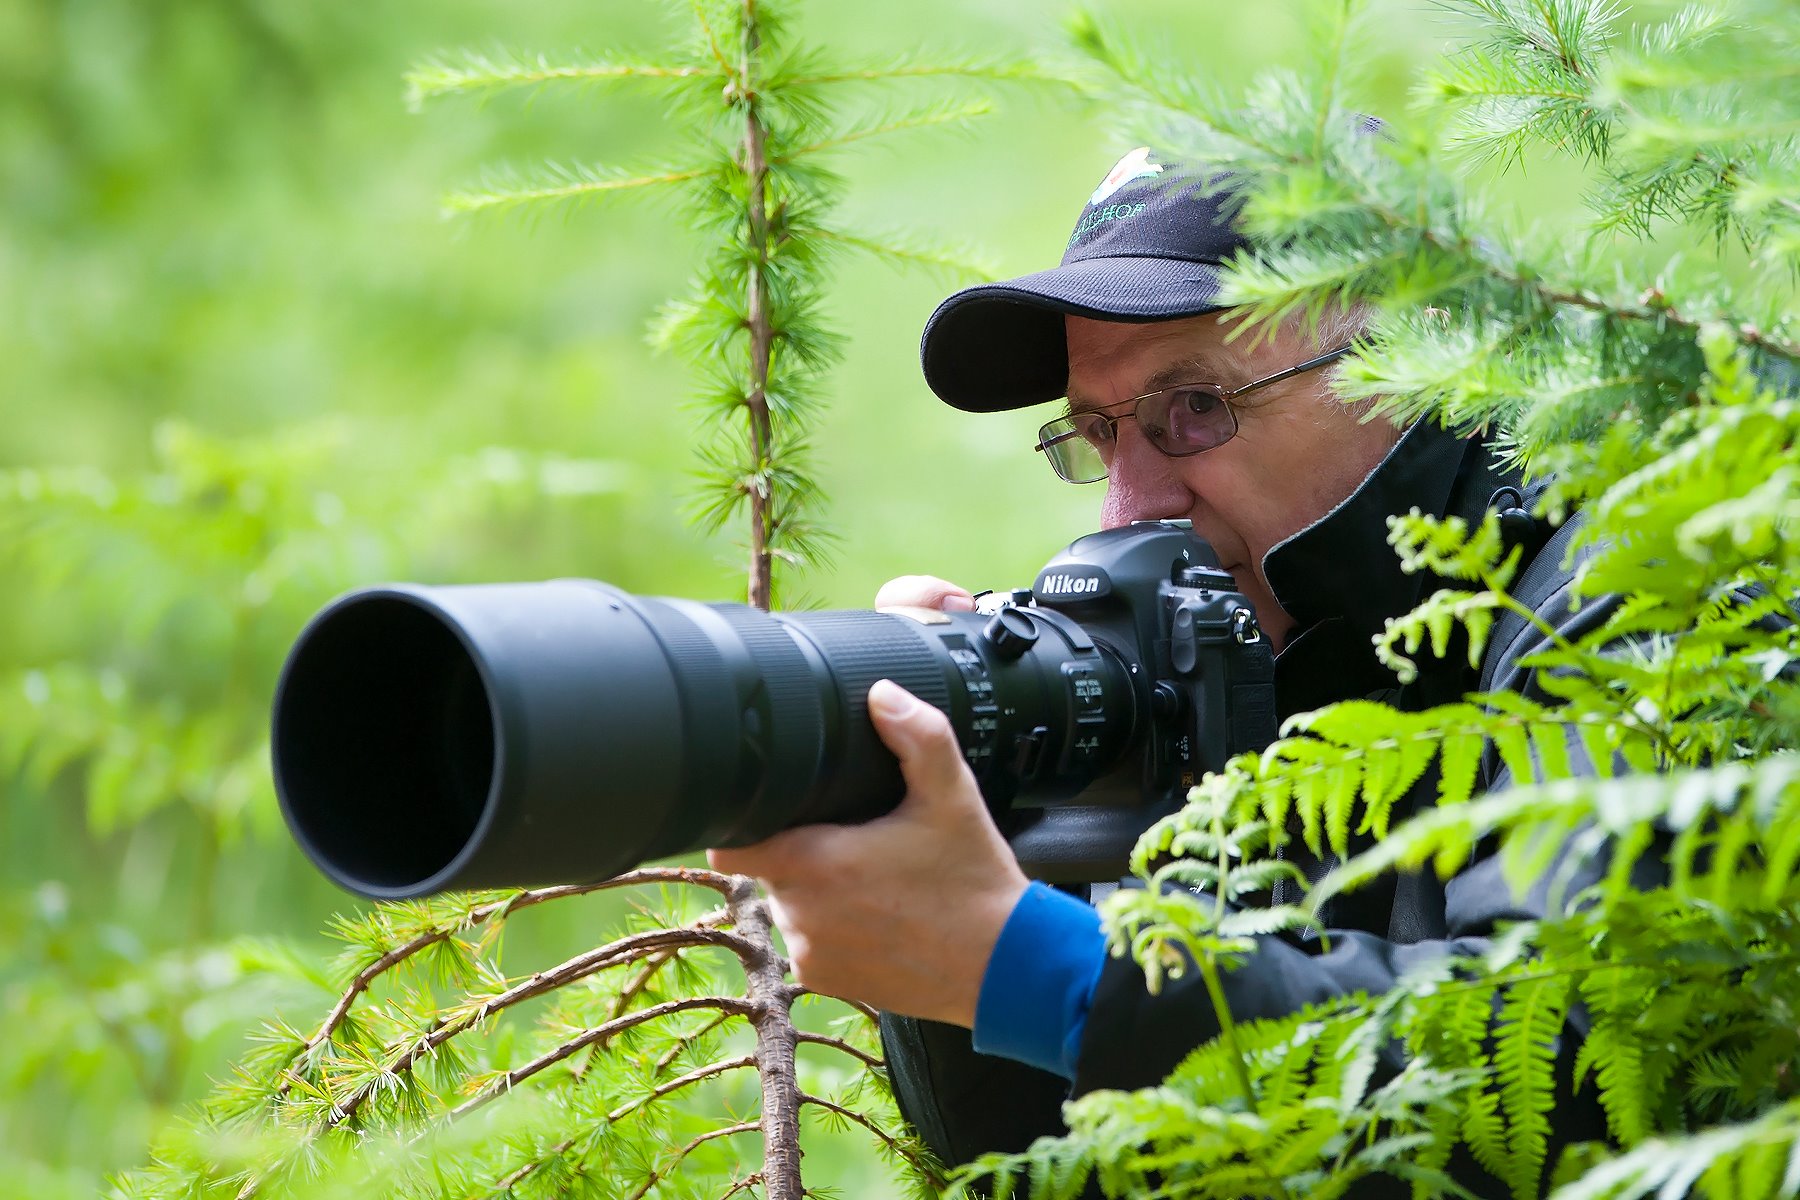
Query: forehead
{"type": "Point", "coordinates": [1111, 361]}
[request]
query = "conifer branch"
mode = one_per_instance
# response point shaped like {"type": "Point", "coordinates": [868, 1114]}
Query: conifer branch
{"type": "Point", "coordinates": [1462, 246]}
{"type": "Point", "coordinates": [759, 325]}
{"type": "Point", "coordinates": [894, 1144]}
{"type": "Point", "coordinates": [484, 73]}
{"type": "Point", "coordinates": [681, 1044]}
{"type": "Point", "coordinates": [922, 121]}
{"type": "Point", "coordinates": [481, 914]}
{"type": "Point", "coordinates": [1002, 72]}
{"type": "Point", "coordinates": [631, 991]}
{"type": "Point", "coordinates": [865, 1009]}
{"type": "Point", "coordinates": [657, 1176]}
{"type": "Point", "coordinates": [934, 259]}
{"type": "Point", "coordinates": [600, 1035]}
{"type": "Point", "coordinates": [744, 1184]}
{"type": "Point", "coordinates": [772, 997]}
{"type": "Point", "coordinates": [573, 184]}
{"type": "Point", "coordinates": [712, 39]}
{"type": "Point", "coordinates": [697, 1075]}
{"type": "Point", "coordinates": [612, 954]}
{"type": "Point", "coordinates": [823, 1039]}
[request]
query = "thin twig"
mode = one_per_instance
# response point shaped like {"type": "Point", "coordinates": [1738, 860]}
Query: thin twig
{"type": "Point", "coordinates": [893, 1143]}
{"type": "Point", "coordinates": [822, 1039]}
{"type": "Point", "coordinates": [679, 1082]}
{"type": "Point", "coordinates": [1662, 315]}
{"type": "Point", "coordinates": [476, 916]}
{"type": "Point", "coordinates": [599, 1033]}
{"type": "Point", "coordinates": [627, 994]}
{"type": "Point", "coordinates": [668, 1056]}
{"type": "Point", "coordinates": [582, 965]}
{"type": "Point", "coordinates": [924, 121]}
{"type": "Point", "coordinates": [656, 1177]}
{"type": "Point", "coordinates": [505, 1183]}
{"type": "Point", "coordinates": [865, 1009]}
{"type": "Point", "coordinates": [968, 71]}
{"type": "Point", "coordinates": [475, 201]}
{"type": "Point", "coordinates": [742, 1185]}
{"type": "Point", "coordinates": [712, 40]}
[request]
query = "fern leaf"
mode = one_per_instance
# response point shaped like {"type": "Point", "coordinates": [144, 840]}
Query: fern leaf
{"type": "Point", "coordinates": [1526, 1041]}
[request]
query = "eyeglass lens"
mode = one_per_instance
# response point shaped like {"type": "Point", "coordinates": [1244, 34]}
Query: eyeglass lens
{"type": "Point", "coordinates": [1178, 421]}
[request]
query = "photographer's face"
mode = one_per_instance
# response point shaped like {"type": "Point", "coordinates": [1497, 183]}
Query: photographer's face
{"type": "Point", "coordinates": [1298, 451]}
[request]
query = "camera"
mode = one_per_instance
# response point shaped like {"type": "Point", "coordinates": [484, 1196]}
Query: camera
{"type": "Point", "coordinates": [497, 735]}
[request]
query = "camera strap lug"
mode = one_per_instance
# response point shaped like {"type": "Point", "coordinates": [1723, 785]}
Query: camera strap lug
{"type": "Point", "coordinates": [1244, 627]}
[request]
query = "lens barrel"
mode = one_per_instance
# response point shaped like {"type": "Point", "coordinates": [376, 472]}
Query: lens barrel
{"type": "Point", "coordinates": [431, 738]}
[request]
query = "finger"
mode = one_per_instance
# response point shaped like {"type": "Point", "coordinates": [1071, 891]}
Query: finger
{"type": "Point", "coordinates": [921, 738]}
{"type": "Point", "coordinates": [924, 591]}
{"type": "Point", "coordinates": [760, 861]}
{"type": "Point", "coordinates": [782, 857]}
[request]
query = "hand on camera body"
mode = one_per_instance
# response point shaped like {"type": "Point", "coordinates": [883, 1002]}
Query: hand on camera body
{"type": "Point", "coordinates": [901, 912]}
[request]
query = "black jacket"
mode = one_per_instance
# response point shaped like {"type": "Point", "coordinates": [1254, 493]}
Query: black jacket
{"type": "Point", "coordinates": [1340, 581]}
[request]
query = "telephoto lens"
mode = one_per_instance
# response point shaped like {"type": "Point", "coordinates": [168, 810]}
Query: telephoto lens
{"type": "Point", "coordinates": [429, 738]}
{"type": "Point", "coordinates": [500, 735]}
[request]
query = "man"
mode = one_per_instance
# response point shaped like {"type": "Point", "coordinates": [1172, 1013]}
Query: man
{"type": "Point", "coordinates": [924, 913]}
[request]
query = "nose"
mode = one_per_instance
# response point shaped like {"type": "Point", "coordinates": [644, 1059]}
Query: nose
{"type": "Point", "coordinates": [1141, 483]}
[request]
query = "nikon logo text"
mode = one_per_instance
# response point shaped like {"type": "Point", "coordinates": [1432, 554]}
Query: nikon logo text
{"type": "Point", "coordinates": [1069, 585]}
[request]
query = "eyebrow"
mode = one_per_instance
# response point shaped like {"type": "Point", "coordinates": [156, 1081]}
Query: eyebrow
{"type": "Point", "coordinates": [1195, 368]}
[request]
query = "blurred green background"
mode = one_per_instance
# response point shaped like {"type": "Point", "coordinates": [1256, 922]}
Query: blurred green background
{"type": "Point", "coordinates": [244, 364]}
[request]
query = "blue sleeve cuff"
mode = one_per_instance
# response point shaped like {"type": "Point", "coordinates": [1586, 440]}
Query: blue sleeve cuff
{"type": "Point", "coordinates": [1040, 981]}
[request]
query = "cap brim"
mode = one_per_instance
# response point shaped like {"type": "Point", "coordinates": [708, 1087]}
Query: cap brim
{"type": "Point", "coordinates": [999, 346]}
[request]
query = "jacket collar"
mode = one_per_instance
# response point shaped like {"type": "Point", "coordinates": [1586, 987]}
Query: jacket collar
{"type": "Point", "coordinates": [1340, 571]}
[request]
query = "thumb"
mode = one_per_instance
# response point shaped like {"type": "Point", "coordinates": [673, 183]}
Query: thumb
{"type": "Point", "coordinates": [921, 738]}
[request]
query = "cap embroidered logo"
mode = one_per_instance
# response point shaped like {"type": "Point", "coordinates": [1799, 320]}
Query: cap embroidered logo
{"type": "Point", "coordinates": [1136, 165]}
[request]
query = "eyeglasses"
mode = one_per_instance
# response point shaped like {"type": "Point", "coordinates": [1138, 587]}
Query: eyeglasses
{"type": "Point", "coordinates": [1187, 419]}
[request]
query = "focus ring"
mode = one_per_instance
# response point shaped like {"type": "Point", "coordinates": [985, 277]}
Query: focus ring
{"type": "Point", "coordinates": [861, 779]}
{"type": "Point", "coordinates": [795, 733]}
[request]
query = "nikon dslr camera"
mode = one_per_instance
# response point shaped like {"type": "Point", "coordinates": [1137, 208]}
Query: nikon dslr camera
{"type": "Point", "coordinates": [431, 738]}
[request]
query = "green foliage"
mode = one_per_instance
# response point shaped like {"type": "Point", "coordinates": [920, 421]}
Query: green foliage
{"type": "Point", "coordinates": [221, 257]}
{"type": "Point", "coordinates": [633, 1048]}
{"type": "Point", "coordinates": [1663, 763]}
{"type": "Point", "coordinates": [763, 114]}
{"type": "Point", "coordinates": [631, 1075]}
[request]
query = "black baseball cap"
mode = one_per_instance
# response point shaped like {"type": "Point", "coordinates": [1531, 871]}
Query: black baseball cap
{"type": "Point", "coordinates": [1149, 247]}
